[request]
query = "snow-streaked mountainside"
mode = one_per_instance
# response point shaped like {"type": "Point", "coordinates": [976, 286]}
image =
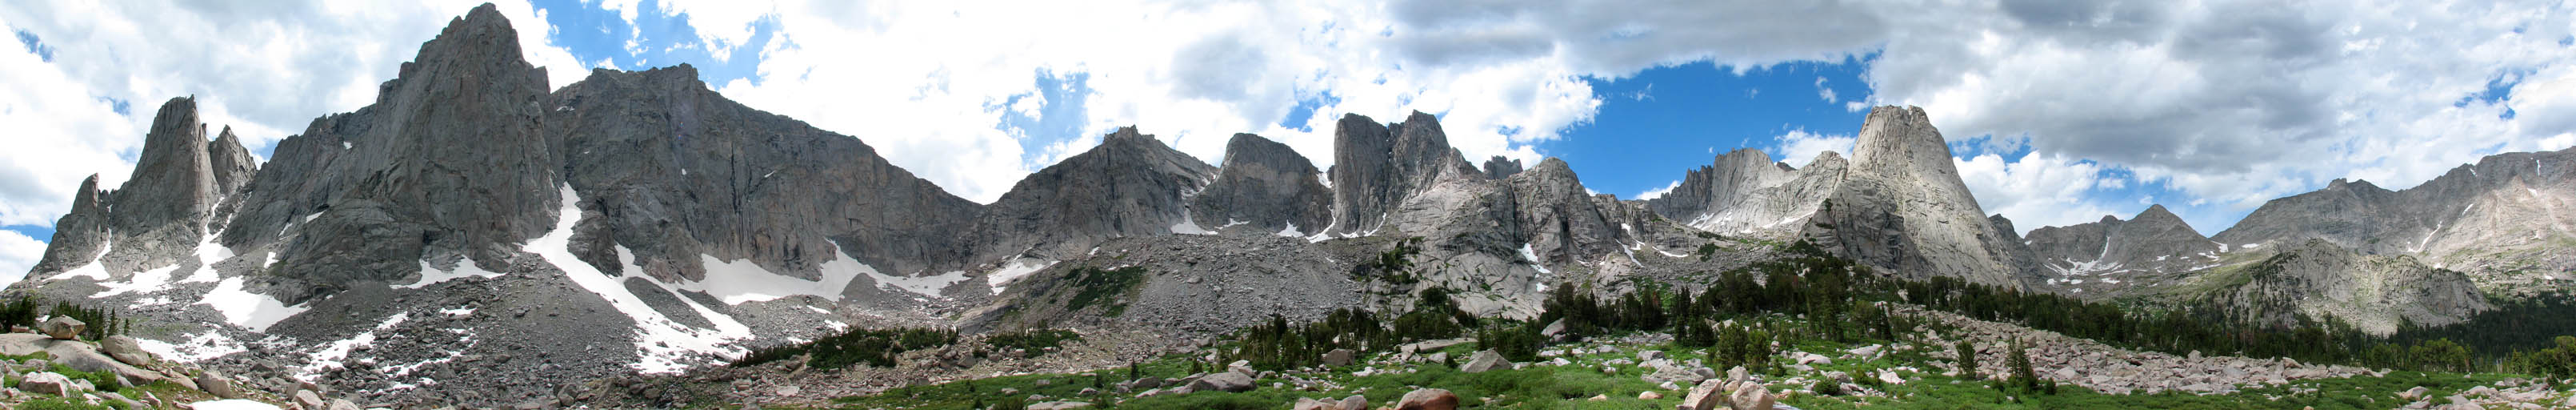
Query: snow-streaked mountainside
{"type": "Point", "coordinates": [471, 237]}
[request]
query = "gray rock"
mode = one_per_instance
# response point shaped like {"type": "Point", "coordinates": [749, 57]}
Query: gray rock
{"type": "Point", "coordinates": [1707, 395]}
{"type": "Point", "coordinates": [1485, 361]}
{"type": "Point", "coordinates": [48, 383]}
{"type": "Point", "coordinates": [1377, 167]}
{"type": "Point", "coordinates": [2374, 292]}
{"type": "Point", "coordinates": [1223, 381]}
{"type": "Point", "coordinates": [307, 399]}
{"type": "Point", "coordinates": [2505, 197]}
{"type": "Point", "coordinates": [213, 382]}
{"type": "Point", "coordinates": [1902, 208]}
{"type": "Point", "coordinates": [126, 349]}
{"type": "Point", "coordinates": [62, 327]}
{"type": "Point", "coordinates": [1130, 185]}
{"type": "Point", "coordinates": [1059, 405]}
{"type": "Point", "coordinates": [1499, 167]}
{"type": "Point", "coordinates": [1338, 357]}
{"type": "Point", "coordinates": [1264, 188]}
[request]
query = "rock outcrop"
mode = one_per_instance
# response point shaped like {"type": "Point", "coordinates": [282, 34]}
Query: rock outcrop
{"type": "Point", "coordinates": [1902, 208]}
{"type": "Point", "coordinates": [1499, 167]}
{"type": "Point", "coordinates": [1264, 188]}
{"type": "Point", "coordinates": [1130, 185]}
{"type": "Point", "coordinates": [1377, 167]}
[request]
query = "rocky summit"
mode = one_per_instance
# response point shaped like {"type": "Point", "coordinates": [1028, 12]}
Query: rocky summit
{"type": "Point", "coordinates": [478, 237]}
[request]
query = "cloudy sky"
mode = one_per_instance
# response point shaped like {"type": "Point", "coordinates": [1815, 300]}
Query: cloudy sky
{"type": "Point", "coordinates": [2058, 112]}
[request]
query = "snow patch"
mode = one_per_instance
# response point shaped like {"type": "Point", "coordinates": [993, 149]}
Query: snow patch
{"type": "Point", "coordinates": [661, 342]}
{"type": "Point", "coordinates": [460, 311]}
{"type": "Point", "coordinates": [146, 282]}
{"type": "Point", "coordinates": [1531, 254]}
{"type": "Point", "coordinates": [208, 345]}
{"type": "Point", "coordinates": [1291, 231]}
{"type": "Point", "coordinates": [431, 275]}
{"type": "Point", "coordinates": [249, 310]}
{"type": "Point", "coordinates": [740, 281]}
{"type": "Point", "coordinates": [926, 285]}
{"type": "Point", "coordinates": [1185, 227]}
{"type": "Point", "coordinates": [1017, 268]}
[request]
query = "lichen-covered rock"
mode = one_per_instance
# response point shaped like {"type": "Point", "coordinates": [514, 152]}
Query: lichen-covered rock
{"type": "Point", "coordinates": [62, 327]}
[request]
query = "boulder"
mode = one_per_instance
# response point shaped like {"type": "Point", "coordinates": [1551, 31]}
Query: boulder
{"type": "Point", "coordinates": [1338, 357]}
{"type": "Point", "coordinates": [1428, 399]}
{"type": "Point", "coordinates": [1555, 331]}
{"type": "Point", "coordinates": [63, 327]}
{"type": "Point", "coordinates": [48, 383]}
{"type": "Point", "coordinates": [1059, 405]}
{"type": "Point", "coordinates": [1650, 355]}
{"type": "Point", "coordinates": [340, 404]}
{"type": "Point", "coordinates": [1309, 403]}
{"type": "Point", "coordinates": [1751, 396]}
{"type": "Point", "coordinates": [1355, 402]}
{"type": "Point", "coordinates": [307, 399]}
{"type": "Point", "coordinates": [126, 349]}
{"type": "Point", "coordinates": [1487, 360]}
{"type": "Point", "coordinates": [1709, 395]}
{"type": "Point", "coordinates": [1649, 395]}
{"type": "Point", "coordinates": [213, 382]}
{"type": "Point", "coordinates": [1224, 381]}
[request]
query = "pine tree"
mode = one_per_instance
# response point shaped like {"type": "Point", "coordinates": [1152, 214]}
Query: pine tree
{"type": "Point", "coordinates": [2022, 375]}
{"type": "Point", "coordinates": [1967, 360]}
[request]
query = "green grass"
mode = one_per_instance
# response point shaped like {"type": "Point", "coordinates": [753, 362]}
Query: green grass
{"type": "Point", "coordinates": [1103, 286]}
{"type": "Point", "coordinates": [1571, 387]}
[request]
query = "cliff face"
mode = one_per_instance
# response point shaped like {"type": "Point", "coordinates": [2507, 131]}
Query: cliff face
{"type": "Point", "coordinates": [1902, 208]}
{"type": "Point", "coordinates": [1377, 167]}
{"type": "Point", "coordinates": [1264, 188]}
{"type": "Point", "coordinates": [677, 174]}
{"type": "Point", "coordinates": [1130, 185]}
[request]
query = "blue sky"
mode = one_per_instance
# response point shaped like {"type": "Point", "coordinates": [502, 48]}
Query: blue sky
{"type": "Point", "coordinates": [2059, 111]}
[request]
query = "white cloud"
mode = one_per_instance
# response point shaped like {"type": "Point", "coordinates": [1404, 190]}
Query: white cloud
{"type": "Point", "coordinates": [2040, 190]}
{"type": "Point", "coordinates": [18, 253]}
{"type": "Point", "coordinates": [1823, 91]}
{"type": "Point", "coordinates": [264, 69]}
{"type": "Point", "coordinates": [1798, 147]}
{"type": "Point", "coordinates": [2234, 103]}
{"type": "Point", "coordinates": [1658, 192]}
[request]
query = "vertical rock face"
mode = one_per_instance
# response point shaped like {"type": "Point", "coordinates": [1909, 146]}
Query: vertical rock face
{"type": "Point", "coordinates": [1559, 218]}
{"type": "Point", "coordinates": [1376, 167]}
{"type": "Point", "coordinates": [160, 214]}
{"type": "Point", "coordinates": [451, 161]}
{"type": "Point", "coordinates": [79, 235]}
{"type": "Point", "coordinates": [1264, 187]}
{"type": "Point", "coordinates": [1131, 185]}
{"type": "Point", "coordinates": [1733, 181]}
{"type": "Point", "coordinates": [232, 163]}
{"type": "Point", "coordinates": [1499, 167]}
{"type": "Point", "coordinates": [2506, 221]}
{"type": "Point", "coordinates": [2320, 279]}
{"type": "Point", "coordinates": [1902, 208]}
{"type": "Point", "coordinates": [677, 173]}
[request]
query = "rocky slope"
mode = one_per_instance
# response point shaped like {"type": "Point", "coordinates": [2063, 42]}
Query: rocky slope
{"type": "Point", "coordinates": [2320, 279]}
{"type": "Point", "coordinates": [2508, 221]}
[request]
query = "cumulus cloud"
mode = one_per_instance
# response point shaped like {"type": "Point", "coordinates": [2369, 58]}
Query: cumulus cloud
{"type": "Point", "coordinates": [18, 253]}
{"type": "Point", "coordinates": [1658, 192]}
{"type": "Point", "coordinates": [2039, 190]}
{"type": "Point", "coordinates": [266, 69]}
{"type": "Point", "coordinates": [1798, 147]}
{"type": "Point", "coordinates": [2232, 103]}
